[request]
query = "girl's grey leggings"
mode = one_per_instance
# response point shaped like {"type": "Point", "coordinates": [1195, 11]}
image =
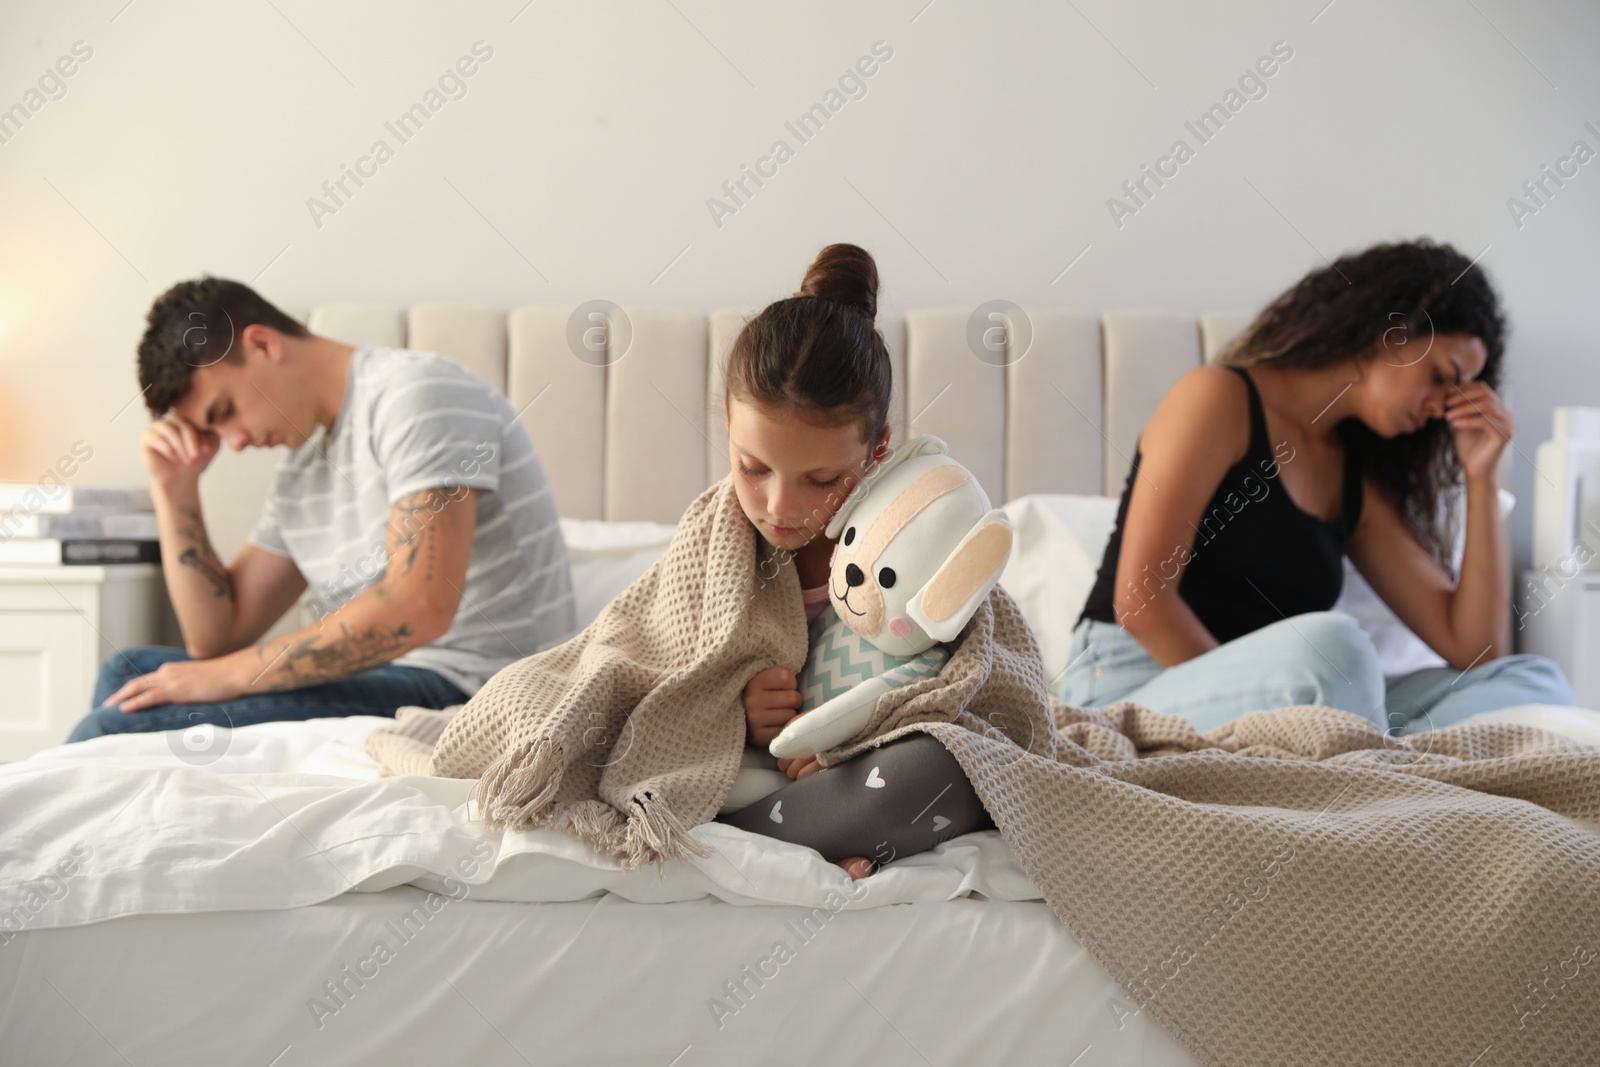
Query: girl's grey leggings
{"type": "Point", "coordinates": [898, 799]}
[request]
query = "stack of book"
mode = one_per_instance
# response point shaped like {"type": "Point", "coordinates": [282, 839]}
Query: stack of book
{"type": "Point", "coordinates": [76, 525]}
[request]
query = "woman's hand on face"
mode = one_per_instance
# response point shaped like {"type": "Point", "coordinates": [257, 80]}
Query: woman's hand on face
{"type": "Point", "coordinates": [1482, 425]}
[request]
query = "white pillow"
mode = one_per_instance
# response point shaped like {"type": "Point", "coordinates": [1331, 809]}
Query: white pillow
{"type": "Point", "coordinates": [1060, 539]}
{"type": "Point", "coordinates": [1058, 542]}
{"type": "Point", "coordinates": [607, 557]}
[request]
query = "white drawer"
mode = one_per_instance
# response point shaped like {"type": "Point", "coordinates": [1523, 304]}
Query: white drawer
{"type": "Point", "coordinates": [48, 661]}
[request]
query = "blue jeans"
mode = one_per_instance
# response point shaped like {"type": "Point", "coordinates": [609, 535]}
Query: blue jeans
{"type": "Point", "coordinates": [1321, 657]}
{"type": "Point", "coordinates": [376, 692]}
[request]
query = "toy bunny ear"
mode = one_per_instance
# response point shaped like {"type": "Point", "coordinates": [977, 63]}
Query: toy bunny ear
{"type": "Point", "coordinates": [952, 595]}
{"type": "Point", "coordinates": [923, 445]}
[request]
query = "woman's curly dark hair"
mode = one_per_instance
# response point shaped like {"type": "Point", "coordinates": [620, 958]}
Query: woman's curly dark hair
{"type": "Point", "coordinates": [1377, 303]}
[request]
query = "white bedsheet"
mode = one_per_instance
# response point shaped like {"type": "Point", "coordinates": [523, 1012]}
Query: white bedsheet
{"type": "Point", "coordinates": [293, 813]}
{"type": "Point", "coordinates": [278, 822]}
{"type": "Point", "coordinates": [600, 981]}
{"type": "Point", "coordinates": [209, 911]}
{"type": "Point", "coordinates": [216, 903]}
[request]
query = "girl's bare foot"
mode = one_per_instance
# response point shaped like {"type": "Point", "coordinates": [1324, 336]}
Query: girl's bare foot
{"type": "Point", "coordinates": [857, 867]}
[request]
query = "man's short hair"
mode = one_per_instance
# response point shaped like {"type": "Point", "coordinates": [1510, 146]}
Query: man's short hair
{"type": "Point", "coordinates": [195, 324]}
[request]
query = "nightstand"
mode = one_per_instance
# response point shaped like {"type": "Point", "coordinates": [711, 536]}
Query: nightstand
{"type": "Point", "coordinates": [57, 624]}
{"type": "Point", "coordinates": [1558, 617]}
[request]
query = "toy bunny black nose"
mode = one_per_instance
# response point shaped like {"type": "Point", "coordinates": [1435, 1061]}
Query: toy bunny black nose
{"type": "Point", "coordinates": [853, 575]}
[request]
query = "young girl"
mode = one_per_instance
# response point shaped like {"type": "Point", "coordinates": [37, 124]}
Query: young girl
{"type": "Point", "coordinates": [807, 409]}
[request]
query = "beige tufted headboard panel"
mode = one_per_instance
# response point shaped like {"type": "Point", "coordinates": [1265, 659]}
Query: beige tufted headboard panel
{"type": "Point", "coordinates": [634, 430]}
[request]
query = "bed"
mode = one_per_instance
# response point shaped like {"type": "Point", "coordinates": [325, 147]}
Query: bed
{"type": "Point", "coordinates": [262, 897]}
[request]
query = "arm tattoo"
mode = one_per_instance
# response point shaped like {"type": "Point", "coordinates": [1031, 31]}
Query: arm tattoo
{"type": "Point", "coordinates": [409, 518]}
{"type": "Point", "coordinates": [326, 657]}
{"type": "Point", "coordinates": [199, 554]}
{"type": "Point", "coordinates": [312, 660]}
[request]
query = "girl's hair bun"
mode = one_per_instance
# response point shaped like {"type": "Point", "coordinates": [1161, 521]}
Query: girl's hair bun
{"type": "Point", "coordinates": [844, 274]}
{"type": "Point", "coordinates": [819, 353]}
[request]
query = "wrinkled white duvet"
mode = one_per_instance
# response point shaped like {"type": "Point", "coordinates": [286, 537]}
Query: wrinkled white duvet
{"type": "Point", "coordinates": [292, 814]}
{"type": "Point", "coordinates": [286, 814]}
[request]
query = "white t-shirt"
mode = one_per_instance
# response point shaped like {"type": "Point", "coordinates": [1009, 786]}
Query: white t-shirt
{"type": "Point", "coordinates": [419, 420]}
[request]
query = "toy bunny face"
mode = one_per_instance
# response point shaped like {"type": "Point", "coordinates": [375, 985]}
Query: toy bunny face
{"type": "Point", "coordinates": [916, 553]}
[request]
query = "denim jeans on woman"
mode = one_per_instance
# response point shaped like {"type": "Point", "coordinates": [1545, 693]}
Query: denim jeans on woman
{"type": "Point", "coordinates": [1321, 657]}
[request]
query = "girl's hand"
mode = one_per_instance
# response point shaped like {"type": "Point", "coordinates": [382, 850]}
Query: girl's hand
{"type": "Point", "coordinates": [1482, 425]}
{"type": "Point", "coordinates": [800, 766]}
{"type": "Point", "coordinates": [771, 699]}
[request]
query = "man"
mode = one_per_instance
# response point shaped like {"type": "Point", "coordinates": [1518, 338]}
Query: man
{"type": "Point", "coordinates": [411, 500]}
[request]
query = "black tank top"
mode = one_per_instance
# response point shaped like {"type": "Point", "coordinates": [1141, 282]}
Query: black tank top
{"type": "Point", "coordinates": [1255, 558]}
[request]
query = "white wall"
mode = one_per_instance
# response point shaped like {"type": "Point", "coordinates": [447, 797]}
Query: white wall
{"type": "Point", "coordinates": [978, 165]}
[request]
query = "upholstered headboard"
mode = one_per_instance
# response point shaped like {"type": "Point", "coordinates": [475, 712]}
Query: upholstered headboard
{"type": "Point", "coordinates": [625, 409]}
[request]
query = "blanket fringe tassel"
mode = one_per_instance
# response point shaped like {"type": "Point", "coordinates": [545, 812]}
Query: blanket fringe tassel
{"type": "Point", "coordinates": [596, 822]}
{"type": "Point", "coordinates": [517, 789]}
{"type": "Point", "coordinates": [654, 834]}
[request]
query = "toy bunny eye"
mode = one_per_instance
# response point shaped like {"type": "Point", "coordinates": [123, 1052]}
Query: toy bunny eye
{"type": "Point", "coordinates": [886, 577]}
{"type": "Point", "coordinates": [850, 535]}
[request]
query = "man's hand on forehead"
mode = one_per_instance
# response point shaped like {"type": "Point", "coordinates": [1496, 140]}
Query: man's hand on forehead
{"type": "Point", "coordinates": [175, 450]}
{"type": "Point", "coordinates": [196, 438]}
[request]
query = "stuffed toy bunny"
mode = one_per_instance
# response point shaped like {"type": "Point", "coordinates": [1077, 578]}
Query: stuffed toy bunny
{"type": "Point", "coordinates": [918, 549]}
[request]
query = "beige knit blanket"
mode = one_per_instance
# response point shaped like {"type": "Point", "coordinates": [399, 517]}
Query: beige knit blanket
{"type": "Point", "coordinates": [1291, 887]}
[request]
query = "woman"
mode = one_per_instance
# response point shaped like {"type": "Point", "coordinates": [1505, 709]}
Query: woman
{"type": "Point", "coordinates": [1340, 422]}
